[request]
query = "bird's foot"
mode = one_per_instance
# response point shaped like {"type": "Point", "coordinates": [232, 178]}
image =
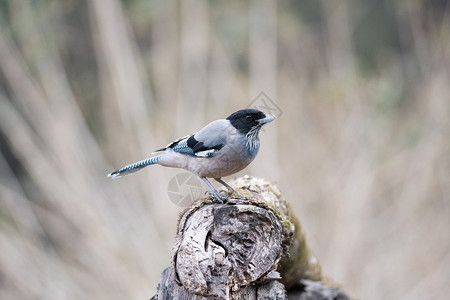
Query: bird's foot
{"type": "Point", "coordinates": [221, 199]}
{"type": "Point", "coordinates": [247, 197]}
{"type": "Point", "coordinates": [233, 191]}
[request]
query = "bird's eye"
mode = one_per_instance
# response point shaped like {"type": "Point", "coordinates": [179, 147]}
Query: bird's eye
{"type": "Point", "coordinates": [250, 118]}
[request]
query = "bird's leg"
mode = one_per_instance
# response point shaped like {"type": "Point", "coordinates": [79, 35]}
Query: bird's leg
{"type": "Point", "coordinates": [214, 192]}
{"type": "Point", "coordinates": [230, 188]}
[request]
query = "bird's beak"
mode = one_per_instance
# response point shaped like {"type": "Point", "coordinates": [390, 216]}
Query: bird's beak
{"type": "Point", "coordinates": [267, 119]}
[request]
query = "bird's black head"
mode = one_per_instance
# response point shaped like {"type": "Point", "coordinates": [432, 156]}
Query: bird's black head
{"type": "Point", "coordinates": [246, 119]}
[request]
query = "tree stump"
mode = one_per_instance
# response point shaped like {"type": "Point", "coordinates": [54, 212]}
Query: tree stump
{"type": "Point", "coordinates": [233, 250]}
{"type": "Point", "coordinates": [168, 288]}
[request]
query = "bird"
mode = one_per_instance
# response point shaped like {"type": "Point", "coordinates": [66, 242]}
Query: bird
{"type": "Point", "coordinates": [221, 148]}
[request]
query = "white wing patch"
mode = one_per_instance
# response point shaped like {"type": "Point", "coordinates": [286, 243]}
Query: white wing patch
{"type": "Point", "coordinates": [206, 153]}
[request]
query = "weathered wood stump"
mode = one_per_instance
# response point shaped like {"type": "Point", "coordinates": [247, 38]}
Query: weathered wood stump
{"type": "Point", "coordinates": [238, 250]}
{"type": "Point", "coordinates": [168, 288]}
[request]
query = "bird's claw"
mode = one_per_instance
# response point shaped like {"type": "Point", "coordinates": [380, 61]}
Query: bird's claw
{"type": "Point", "coordinates": [223, 195]}
{"type": "Point", "coordinates": [217, 196]}
{"type": "Point", "coordinates": [247, 197]}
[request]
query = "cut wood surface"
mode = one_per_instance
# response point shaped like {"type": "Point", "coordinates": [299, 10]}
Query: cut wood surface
{"type": "Point", "coordinates": [233, 250]}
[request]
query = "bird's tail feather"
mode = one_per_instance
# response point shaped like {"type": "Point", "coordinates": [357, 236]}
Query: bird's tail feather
{"type": "Point", "coordinates": [129, 169]}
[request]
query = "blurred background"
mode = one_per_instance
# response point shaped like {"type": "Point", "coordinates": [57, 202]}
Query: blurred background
{"type": "Point", "coordinates": [360, 148]}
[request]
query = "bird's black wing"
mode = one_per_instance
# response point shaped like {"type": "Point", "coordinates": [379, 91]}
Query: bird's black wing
{"type": "Point", "coordinates": [190, 146]}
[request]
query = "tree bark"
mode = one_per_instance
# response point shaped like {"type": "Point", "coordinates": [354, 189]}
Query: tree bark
{"type": "Point", "coordinates": [170, 289]}
{"type": "Point", "coordinates": [233, 250]}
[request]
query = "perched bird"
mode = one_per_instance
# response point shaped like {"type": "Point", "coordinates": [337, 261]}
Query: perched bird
{"type": "Point", "coordinates": [221, 148]}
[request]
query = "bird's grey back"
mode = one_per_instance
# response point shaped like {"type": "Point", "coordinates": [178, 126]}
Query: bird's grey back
{"type": "Point", "coordinates": [215, 133]}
